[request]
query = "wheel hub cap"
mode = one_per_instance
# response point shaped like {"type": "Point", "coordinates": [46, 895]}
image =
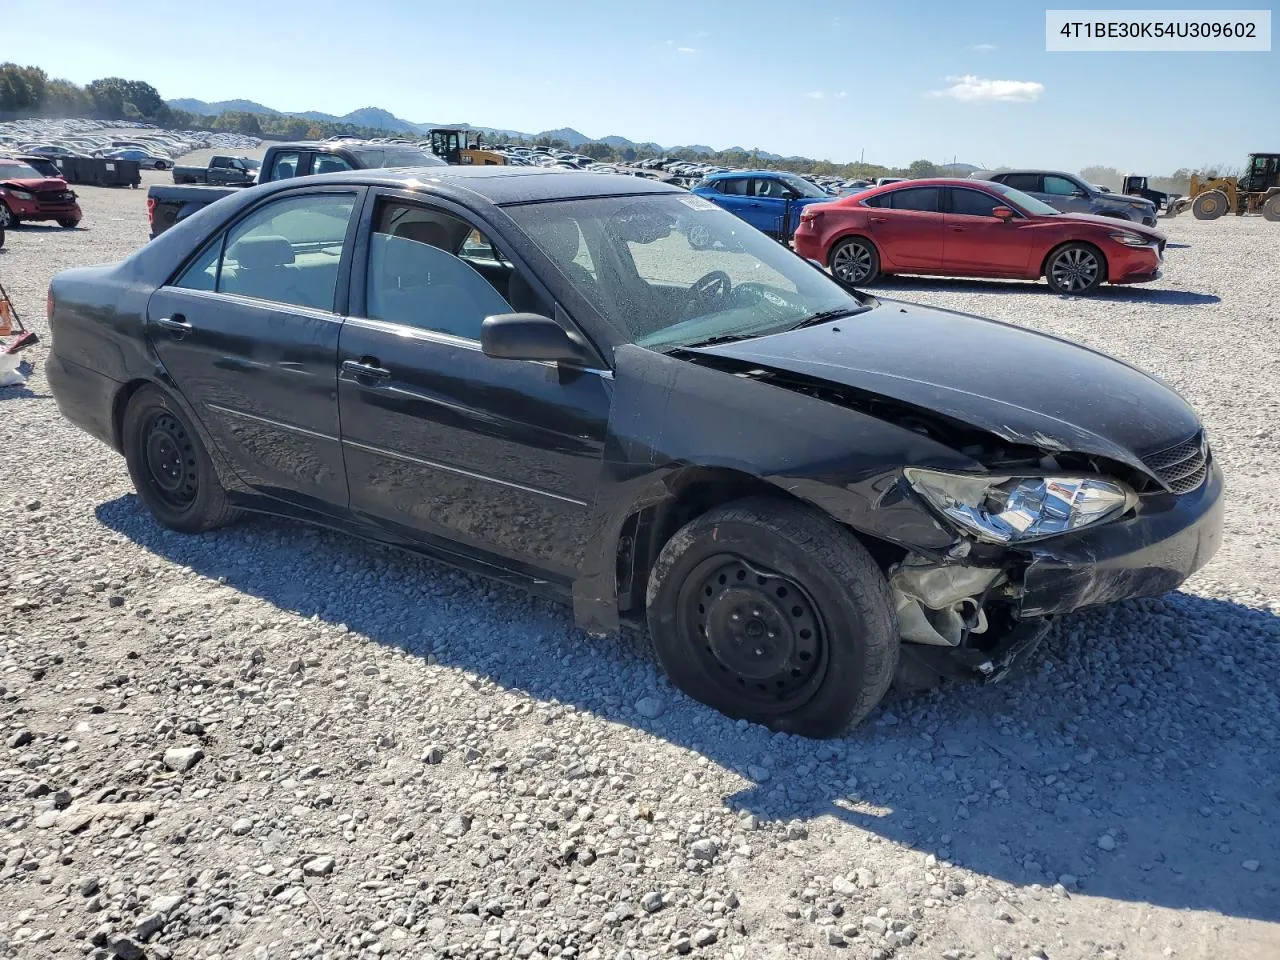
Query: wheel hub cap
{"type": "Point", "coordinates": [852, 263]}
{"type": "Point", "coordinates": [1075, 269]}
{"type": "Point", "coordinates": [749, 636]}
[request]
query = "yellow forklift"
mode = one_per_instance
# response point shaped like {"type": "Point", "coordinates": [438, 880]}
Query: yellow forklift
{"type": "Point", "coordinates": [455, 148]}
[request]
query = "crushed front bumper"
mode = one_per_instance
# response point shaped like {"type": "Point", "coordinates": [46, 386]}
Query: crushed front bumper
{"type": "Point", "coordinates": [1152, 552]}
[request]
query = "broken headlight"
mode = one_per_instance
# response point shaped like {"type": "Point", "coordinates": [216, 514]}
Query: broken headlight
{"type": "Point", "coordinates": [1017, 509]}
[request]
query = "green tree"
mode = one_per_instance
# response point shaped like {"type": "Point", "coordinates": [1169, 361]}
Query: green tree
{"type": "Point", "coordinates": [106, 97]}
{"type": "Point", "coordinates": [63, 98]}
{"type": "Point", "coordinates": [922, 168]}
{"type": "Point", "coordinates": [22, 89]}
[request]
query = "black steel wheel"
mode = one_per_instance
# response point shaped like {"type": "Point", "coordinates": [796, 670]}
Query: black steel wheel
{"type": "Point", "coordinates": [170, 468]}
{"type": "Point", "coordinates": [855, 261]}
{"type": "Point", "coordinates": [1075, 268]}
{"type": "Point", "coordinates": [761, 631]}
{"type": "Point", "coordinates": [770, 611]}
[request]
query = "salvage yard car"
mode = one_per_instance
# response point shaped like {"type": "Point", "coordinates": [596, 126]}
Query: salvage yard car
{"type": "Point", "coordinates": [970, 228]}
{"type": "Point", "coordinates": [537, 375]}
{"type": "Point", "coordinates": [27, 194]}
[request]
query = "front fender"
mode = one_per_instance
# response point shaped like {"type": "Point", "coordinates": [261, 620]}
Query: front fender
{"type": "Point", "coordinates": [670, 415]}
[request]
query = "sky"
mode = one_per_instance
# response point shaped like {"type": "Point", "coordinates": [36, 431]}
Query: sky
{"type": "Point", "coordinates": [892, 81]}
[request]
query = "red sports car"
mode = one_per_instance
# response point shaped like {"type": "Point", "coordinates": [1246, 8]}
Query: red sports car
{"type": "Point", "coordinates": [974, 228]}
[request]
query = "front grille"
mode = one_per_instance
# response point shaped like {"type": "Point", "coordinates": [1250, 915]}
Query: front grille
{"type": "Point", "coordinates": [55, 196]}
{"type": "Point", "coordinates": [1182, 467]}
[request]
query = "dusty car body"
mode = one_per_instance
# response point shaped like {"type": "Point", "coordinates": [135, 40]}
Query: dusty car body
{"type": "Point", "coordinates": [787, 481]}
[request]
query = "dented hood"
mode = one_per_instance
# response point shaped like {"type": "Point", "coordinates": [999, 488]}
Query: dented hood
{"type": "Point", "coordinates": [1023, 386]}
{"type": "Point", "coordinates": [33, 184]}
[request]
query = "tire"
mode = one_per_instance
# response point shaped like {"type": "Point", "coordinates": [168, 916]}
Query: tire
{"type": "Point", "coordinates": [1271, 208]}
{"type": "Point", "coordinates": [68, 224]}
{"type": "Point", "coordinates": [799, 579]}
{"type": "Point", "coordinates": [1075, 269]}
{"type": "Point", "coordinates": [854, 260]}
{"type": "Point", "coordinates": [1, 239]}
{"type": "Point", "coordinates": [161, 165]}
{"type": "Point", "coordinates": [7, 219]}
{"type": "Point", "coordinates": [1210, 205]}
{"type": "Point", "coordinates": [169, 466]}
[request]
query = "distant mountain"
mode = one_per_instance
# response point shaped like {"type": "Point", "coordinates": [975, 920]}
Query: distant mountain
{"type": "Point", "coordinates": [220, 106]}
{"type": "Point", "coordinates": [376, 118]}
{"type": "Point", "coordinates": [569, 135]}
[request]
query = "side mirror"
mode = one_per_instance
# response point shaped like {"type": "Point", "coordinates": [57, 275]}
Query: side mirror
{"type": "Point", "coordinates": [530, 336]}
{"type": "Point", "coordinates": [1002, 213]}
{"type": "Point", "coordinates": [1078, 193]}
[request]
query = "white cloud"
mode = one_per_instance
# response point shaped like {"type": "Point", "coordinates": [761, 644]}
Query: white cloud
{"type": "Point", "coordinates": [983, 47]}
{"type": "Point", "coordinates": [686, 49]}
{"type": "Point", "coordinates": [815, 94]}
{"type": "Point", "coordinates": [841, 95]}
{"type": "Point", "coordinates": [971, 89]}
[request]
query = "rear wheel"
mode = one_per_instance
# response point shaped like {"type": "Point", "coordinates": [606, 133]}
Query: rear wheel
{"type": "Point", "coordinates": [1210, 205]}
{"type": "Point", "coordinates": [169, 466]}
{"type": "Point", "coordinates": [769, 611]}
{"type": "Point", "coordinates": [855, 260]}
{"type": "Point", "coordinates": [1075, 269]}
{"type": "Point", "coordinates": [1271, 208]}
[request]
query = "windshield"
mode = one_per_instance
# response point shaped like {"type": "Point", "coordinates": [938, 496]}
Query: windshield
{"type": "Point", "coordinates": [19, 171]}
{"type": "Point", "coordinates": [1029, 204]}
{"type": "Point", "coordinates": [803, 187]}
{"type": "Point", "coordinates": [398, 157]}
{"type": "Point", "coordinates": [674, 270]}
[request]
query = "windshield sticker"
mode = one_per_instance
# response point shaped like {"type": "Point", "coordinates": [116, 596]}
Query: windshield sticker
{"type": "Point", "coordinates": [697, 203]}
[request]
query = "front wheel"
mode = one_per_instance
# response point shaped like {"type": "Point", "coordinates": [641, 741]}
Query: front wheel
{"type": "Point", "coordinates": [1075, 269]}
{"type": "Point", "coordinates": [855, 260]}
{"type": "Point", "coordinates": [1210, 205]}
{"type": "Point", "coordinates": [1271, 208]}
{"type": "Point", "coordinates": [771, 612]}
{"type": "Point", "coordinates": [7, 219]}
{"type": "Point", "coordinates": [161, 165]}
{"type": "Point", "coordinates": [68, 224]}
{"type": "Point", "coordinates": [169, 466]}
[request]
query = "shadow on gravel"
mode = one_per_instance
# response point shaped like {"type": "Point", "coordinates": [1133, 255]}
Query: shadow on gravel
{"type": "Point", "coordinates": [1153, 723]}
{"type": "Point", "coordinates": [896, 287]}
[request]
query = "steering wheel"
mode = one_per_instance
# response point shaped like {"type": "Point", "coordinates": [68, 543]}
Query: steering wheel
{"type": "Point", "coordinates": [711, 287]}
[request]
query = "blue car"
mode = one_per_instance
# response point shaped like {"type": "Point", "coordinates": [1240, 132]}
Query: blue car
{"type": "Point", "coordinates": [769, 200]}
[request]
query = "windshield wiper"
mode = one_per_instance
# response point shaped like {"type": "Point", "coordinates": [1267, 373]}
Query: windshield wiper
{"type": "Point", "coordinates": [719, 339]}
{"type": "Point", "coordinates": [822, 316]}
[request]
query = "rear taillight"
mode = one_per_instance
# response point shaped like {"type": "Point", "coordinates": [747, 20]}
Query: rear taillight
{"type": "Point", "coordinates": [809, 215]}
{"type": "Point", "coordinates": [151, 211]}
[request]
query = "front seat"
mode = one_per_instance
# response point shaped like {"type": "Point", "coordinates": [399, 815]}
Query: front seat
{"type": "Point", "coordinates": [562, 240]}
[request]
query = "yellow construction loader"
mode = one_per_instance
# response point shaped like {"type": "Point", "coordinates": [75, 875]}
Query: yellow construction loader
{"type": "Point", "coordinates": [1258, 191]}
{"type": "Point", "coordinates": [455, 148]}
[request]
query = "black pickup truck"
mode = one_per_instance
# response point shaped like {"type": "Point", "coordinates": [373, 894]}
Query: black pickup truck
{"type": "Point", "coordinates": [232, 171]}
{"type": "Point", "coordinates": [167, 205]}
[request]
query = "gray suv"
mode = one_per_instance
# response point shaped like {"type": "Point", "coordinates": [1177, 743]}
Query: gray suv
{"type": "Point", "coordinates": [1069, 194]}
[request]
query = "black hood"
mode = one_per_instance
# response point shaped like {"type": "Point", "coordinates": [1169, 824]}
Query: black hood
{"type": "Point", "coordinates": [1025, 387]}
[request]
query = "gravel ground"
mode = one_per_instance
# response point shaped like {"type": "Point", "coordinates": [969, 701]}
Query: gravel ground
{"type": "Point", "coordinates": [272, 741]}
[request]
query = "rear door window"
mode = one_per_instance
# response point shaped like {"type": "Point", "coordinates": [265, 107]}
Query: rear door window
{"type": "Point", "coordinates": [735, 186]}
{"type": "Point", "coordinates": [1022, 181]}
{"type": "Point", "coordinates": [920, 199]}
{"type": "Point", "coordinates": [287, 251]}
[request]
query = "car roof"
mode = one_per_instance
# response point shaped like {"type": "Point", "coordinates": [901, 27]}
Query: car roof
{"type": "Point", "coordinates": [750, 173]}
{"type": "Point", "coordinates": [1041, 173]}
{"type": "Point", "coordinates": [500, 184]}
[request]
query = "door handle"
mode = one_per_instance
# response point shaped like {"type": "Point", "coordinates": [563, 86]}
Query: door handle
{"type": "Point", "coordinates": [176, 325]}
{"type": "Point", "coordinates": [879, 219]}
{"type": "Point", "coordinates": [365, 369]}
{"type": "Point", "coordinates": [958, 229]}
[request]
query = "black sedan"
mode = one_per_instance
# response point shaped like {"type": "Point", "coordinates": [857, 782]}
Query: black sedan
{"type": "Point", "coordinates": [801, 490]}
